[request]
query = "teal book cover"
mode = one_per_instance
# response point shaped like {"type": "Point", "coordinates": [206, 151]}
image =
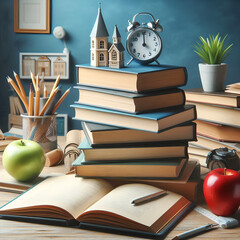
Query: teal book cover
{"type": "Point", "coordinates": [134, 68]}
{"type": "Point", "coordinates": [85, 145]}
{"type": "Point", "coordinates": [80, 160]}
{"type": "Point", "coordinates": [152, 121]}
{"type": "Point", "coordinates": [133, 78]}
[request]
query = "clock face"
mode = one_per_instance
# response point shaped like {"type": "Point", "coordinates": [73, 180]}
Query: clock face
{"type": "Point", "coordinates": [144, 44]}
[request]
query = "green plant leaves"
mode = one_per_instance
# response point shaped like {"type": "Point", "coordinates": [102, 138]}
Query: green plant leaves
{"type": "Point", "coordinates": [211, 50]}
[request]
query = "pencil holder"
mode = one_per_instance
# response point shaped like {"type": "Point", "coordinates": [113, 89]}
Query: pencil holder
{"type": "Point", "coordinates": [41, 129]}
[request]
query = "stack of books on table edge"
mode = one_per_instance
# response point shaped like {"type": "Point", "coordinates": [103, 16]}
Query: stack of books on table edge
{"type": "Point", "coordinates": [106, 207]}
{"type": "Point", "coordinates": [217, 122]}
{"type": "Point", "coordinates": [132, 132]}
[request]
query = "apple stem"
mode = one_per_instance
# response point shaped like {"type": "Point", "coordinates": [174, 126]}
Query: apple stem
{"type": "Point", "coordinates": [225, 171]}
{"type": "Point", "coordinates": [22, 142]}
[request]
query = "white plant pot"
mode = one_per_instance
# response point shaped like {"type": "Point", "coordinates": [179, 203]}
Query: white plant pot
{"type": "Point", "coordinates": [213, 76]}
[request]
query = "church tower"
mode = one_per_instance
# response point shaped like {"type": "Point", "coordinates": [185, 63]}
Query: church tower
{"type": "Point", "coordinates": [99, 42]}
{"type": "Point", "coordinates": [116, 51]}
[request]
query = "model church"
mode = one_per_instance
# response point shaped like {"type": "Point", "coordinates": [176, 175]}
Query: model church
{"type": "Point", "coordinates": [104, 53]}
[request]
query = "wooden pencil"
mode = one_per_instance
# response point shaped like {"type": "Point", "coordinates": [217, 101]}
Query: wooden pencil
{"type": "Point", "coordinates": [33, 81]}
{"type": "Point", "coordinates": [31, 96]}
{"type": "Point", "coordinates": [50, 99]}
{"type": "Point", "coordinates": [55, 84]}
{"type": "Point", "coordinates": [17, 90]}
{"type": "Point", "coordinates": [20, 85]}
{"type": "Point", "coordinates": [37, 82]}
{"type": "Point", "coordinates": [37, 102]}
{"type": "Point", "coordinates": [60, 100]}
{"type": "Point", "coordinates": [45, 91]}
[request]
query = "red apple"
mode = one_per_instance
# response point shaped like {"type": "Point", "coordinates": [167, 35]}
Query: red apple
{"type": "Point", "coordinates": [221, 189]}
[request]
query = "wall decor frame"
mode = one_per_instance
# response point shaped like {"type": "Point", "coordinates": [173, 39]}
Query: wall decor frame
{"type": "Point", "coordinates": [62, 124]}
{"type": "Point", "coordinates": [32, 16]}
{"type": "Point", "coordinates": [48, 64]}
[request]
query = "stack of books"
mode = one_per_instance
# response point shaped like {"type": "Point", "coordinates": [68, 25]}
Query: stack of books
{"type": "Point", "coordinates": [217, 123]}
{"type": "Point", "coordinates": [136, 124]}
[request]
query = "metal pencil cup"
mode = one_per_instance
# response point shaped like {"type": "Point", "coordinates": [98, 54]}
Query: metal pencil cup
{"type": "Point", "coordinates": [41, 129]}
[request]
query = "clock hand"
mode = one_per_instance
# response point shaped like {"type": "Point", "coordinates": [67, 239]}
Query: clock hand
{"type": "Point", "coordinates": [144, 42]}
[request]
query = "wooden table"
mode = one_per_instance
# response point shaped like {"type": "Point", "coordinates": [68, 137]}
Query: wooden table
{"type": "Point", "coordinates": [19, 230]}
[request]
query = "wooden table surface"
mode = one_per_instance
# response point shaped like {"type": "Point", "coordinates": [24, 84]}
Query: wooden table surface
{"type": "Point", "coordinates": [19, 230]}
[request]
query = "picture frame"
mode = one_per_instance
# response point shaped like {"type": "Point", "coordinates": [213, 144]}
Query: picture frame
{"type": "Point", "coordinates": [62, 124]}
{"type": "Point", "coordinates": [32, 16]}
{"type": "Point", "coordinates": [51, 64]}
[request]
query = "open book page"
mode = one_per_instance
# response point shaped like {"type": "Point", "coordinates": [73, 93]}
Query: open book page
{"type": "Point", "coordinates": [68, 192]}
{"type": "Point", "coordinates": [119, 200]}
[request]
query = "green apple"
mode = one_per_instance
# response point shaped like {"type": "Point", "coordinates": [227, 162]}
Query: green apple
{"type": "Point", "coordinates": [23, 159]}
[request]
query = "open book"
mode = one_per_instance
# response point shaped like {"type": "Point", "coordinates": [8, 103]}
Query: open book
{"type": "Point", "coordinates": [96, 201]}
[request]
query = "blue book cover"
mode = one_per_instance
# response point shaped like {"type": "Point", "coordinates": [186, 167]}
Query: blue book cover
{"type": "Point", "coordinates": [151, 121]}
{"type": "Point", "coordinates": [133, 78]}
{"type": "Point", "coordinates": [133, 68]}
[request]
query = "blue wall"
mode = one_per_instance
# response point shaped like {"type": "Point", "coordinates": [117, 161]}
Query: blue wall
{"type": "Point", "coordinates": [183, 22]}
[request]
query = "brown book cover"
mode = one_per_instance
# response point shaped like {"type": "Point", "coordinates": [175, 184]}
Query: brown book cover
{"type": "Point", "coordinates": [218, 114]}
{"type": "Point", "coordinates": [218, 132]}
{"type": "Point", "coordinates": [217, 98]}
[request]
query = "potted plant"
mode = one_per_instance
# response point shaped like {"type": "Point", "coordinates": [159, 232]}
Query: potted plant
{"type": "Point", "coordinates": [212, 71]}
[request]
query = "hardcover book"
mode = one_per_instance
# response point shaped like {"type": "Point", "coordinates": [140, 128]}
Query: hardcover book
{"type": "Point", "coordinates": [152, 122]}
{"type": "Point", "coordinates": [132, 152]}
{"type": "Point", "coordinates": [164, 168]}
{"type": "Point", "coordinates": [218, 132]}
{"type": "Point", "coordinates": [104, 135]}
{"type": "Point", "coordinates": [218, 114]}
{"type": "Point", "coordinates": [96, 203]}
{"type": "Point", "coordinates": [133, 78]}
{"type": "Point", "coordinates": [217, 98]}
{"type": "Point", "coordinates": [130, 102]}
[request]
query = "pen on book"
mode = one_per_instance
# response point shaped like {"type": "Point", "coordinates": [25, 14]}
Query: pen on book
{"type": "Point", "coordinates": [196, 231]}
{"type": "Point", "coordinates": [149, 198]}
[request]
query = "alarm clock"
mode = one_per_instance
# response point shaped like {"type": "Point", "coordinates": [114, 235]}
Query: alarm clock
{"type": "Point", "coordinates": [223, 158]}
{"type": "Point", "coordinates": [143, 42]}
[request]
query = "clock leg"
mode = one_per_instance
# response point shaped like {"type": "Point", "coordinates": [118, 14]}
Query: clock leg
{"type": "Point", "coordinates": [157, 62]}
{"type": "Point", "coordinates": [130, 61]}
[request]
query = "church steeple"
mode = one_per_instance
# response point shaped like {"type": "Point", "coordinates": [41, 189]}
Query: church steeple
{"type": "Point", "coordinates": [99, 28]}
{"type": "Point", "coordinates": [116, 35]}
{"type": "Point", "coordinates": [99, 42]}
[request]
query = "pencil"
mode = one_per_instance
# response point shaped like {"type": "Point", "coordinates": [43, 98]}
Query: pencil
{"type": "Point", "coordinates": [45, 91]}
{"type": "Point", "coordinates": [33, 81]}
{"type": "Point", "coordinates": [149, 198]}
{"type": "Point", "coordinates": [31, 95]}
{"type": "Point", "coordinates": [50, 99]}
{"type": "Point", "coordinates": [60, 100]}
{"type": "Point", "coordinates": [55, 84]}
{"type": "Point", "coordinates": [37, 82]}
{"type": "Point", "coordinates": [17, 90]}
{"type": "Point", "coordinates": [37, 100]}
{"type": "Point", "coordinates": [20, 85]}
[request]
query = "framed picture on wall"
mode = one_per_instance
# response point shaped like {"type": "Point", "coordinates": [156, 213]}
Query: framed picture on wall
{"type": "Point", "coordinates": [32, 16]}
